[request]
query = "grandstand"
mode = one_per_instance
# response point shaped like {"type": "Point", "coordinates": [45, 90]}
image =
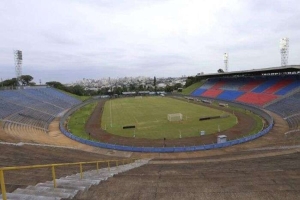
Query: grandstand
{"type": "Point", "coordinates": [276, 89]}
{"type": "Point", "coordinates": [33, 107]}
{"type": "Point", "coordinates": [256, 90]}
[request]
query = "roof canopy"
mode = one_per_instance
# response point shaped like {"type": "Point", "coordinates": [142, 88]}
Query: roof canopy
{"type": "Point", "coordinates": [256, 72]}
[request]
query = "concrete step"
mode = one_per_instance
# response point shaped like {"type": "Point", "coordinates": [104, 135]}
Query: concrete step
{"type": "Point", "coordinates": [100, 174]}
{"type": "Point", "coordinates": [68, 187]}
{"type": "Point", "coordinates": [83, 180]}
{"type": "Point", "coordinates": [94, 173]}
{"type": "Point", "coordinates": [94, 177]}
{"type": "Point", "coordinates": [73, 187]}
{"type": "Point", "coordinates": [71, 192]}
{"type": "Point", "coordinates": [75, 181]}
{"type": "Point", "coordinates": [28, 197]}
{"type": "Point", "coordinates": [42, 193]}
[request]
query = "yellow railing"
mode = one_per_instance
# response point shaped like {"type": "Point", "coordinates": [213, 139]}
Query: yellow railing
{"type": "Point", "coordinates": [52, 167]}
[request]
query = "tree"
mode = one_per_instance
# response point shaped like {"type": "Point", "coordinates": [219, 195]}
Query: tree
{"type": "Point", "coordinates": [141, 87]}
{"type": "Point", "coordinates": [220, 71]}
{"type": "Point", "coordinates": [124, 88]}
{"type": "Point", "coordinates": [10, 82]}
{"type": "Point", "coordinates": [132, 87]}
{"type": "Point", "coordinates": [32, 83]}
{"type": "Point", "coordinates": [55, 84]}
{"type": "Point", "coordinates": [177, 85]}
{"type": "Point", "coordinates": [154, 84]}
{"type": "Point", "coordinates": [77, 89]}
{"type": "Point", "coordinates": [118, 90]}
{"type": "Point", "coordinates": [168, 88]}
{"type": "Point", "coordinates": [25, 79]}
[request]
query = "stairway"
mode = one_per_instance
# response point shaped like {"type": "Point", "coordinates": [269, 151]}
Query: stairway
{"type": "Point", "coordinates": [69, 186]}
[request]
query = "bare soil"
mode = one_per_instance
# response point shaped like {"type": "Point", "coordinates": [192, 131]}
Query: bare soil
{"type": "Point", "coordinates": [276, 177]}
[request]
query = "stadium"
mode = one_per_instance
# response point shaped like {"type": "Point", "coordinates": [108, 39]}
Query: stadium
{"type": "Point", "coordinates": [236, 136]}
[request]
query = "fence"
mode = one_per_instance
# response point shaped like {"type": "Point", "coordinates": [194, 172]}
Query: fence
{"type": "Point", "coordinates": [53, 166]}
{"type": "Point", "coordinates": [253, 109]}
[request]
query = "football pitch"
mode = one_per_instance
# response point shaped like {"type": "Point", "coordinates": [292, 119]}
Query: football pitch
{"type": "Point", "coordinates": [149, 115]}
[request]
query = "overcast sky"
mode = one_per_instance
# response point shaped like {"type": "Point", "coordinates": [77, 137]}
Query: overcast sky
{"type": "Point", "coordinates": [68, 40]}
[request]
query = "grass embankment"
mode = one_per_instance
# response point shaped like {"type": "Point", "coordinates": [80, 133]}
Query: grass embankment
{"type": "Point", "coordinates": [82, 98]}
{"type": "Point", "coordinates": [191, 88]}
{"type": "Point", "coordinates": [78, 119]}
{"type": "Point", "coordinates": [149, 115]}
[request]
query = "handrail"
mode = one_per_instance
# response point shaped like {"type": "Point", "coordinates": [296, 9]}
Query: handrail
{"type": "Point", "coordinates": [52, 166]}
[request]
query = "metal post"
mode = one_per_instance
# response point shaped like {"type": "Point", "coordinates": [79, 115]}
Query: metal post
{"type": "Point", "coordinates": [3, 185]}
{"type": "Point", "coordinates": [53, 176]}
{"type": "Point", "coordinates": [108, 165]}
{"type": "Point", "coordinates": [80, 166]}
{"type": "Point", "coordinates": [97, 168]}
{"type": "Point", "coordinates": [117, 164]}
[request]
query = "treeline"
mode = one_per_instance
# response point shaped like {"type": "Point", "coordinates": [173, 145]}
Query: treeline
{"type": "Point", "coordinates": [76, 89]}
{"type": "Point", "coordinates": [25, 80]}
{"type": "Point", "coordinates": [193, 79]}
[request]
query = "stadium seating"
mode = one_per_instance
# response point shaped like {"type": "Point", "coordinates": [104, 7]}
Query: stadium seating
{"type": "Point", "coordinates": [294, 122]}
{"type": "Point", "coordinates": [262, 87]}
{"type": "Point", "coordinates": [256, 99]}
{"type": "Point", "coordinates": [230, 95]}
{"type": "Point", "coordinates": [213, 93]}
{"type": "Point", "coordinates": [35, 107]}
{"type": "Point", "coordinates": [209, 83]}
{"type": "Point", "coordinates": [198, 92]}
{"type": "Point", "coordinates": [279, 85]}
{"type": "Point", "coordinates": [218, 85]}
{"type": "Point", "coordinates": [288, 88]}
{"type": "Point", "coordinates": [251, 85]}
{"type": "Point", "coordinates": [258, 90]}
{"type": "Point", "coordinates": [286, 107]}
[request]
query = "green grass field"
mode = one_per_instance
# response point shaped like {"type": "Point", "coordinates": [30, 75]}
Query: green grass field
{"type": "Point", "coordinates": [149, 115]}
{"type": "Point", "coordinates": [78, 119]}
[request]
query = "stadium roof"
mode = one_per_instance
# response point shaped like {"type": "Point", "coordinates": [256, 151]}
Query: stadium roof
{"type": "Point", "coordinates": [256, 72]}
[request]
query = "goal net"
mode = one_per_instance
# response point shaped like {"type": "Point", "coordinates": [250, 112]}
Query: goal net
{"type": "Point", "coordinates": [175, 117]}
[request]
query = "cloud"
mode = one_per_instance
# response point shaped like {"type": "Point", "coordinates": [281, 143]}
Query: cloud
{"type": "Point", "coordinates": [72, 39]}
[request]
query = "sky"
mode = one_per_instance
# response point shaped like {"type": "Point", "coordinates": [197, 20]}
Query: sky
{"type": "Point", "coordinates": [68, 40]}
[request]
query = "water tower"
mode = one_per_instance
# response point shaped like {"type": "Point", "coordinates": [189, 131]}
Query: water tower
{"type": "Point", "coordinates": [284, 50]}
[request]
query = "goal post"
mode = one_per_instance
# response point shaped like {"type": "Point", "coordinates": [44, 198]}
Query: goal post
{"type": "Point", "coordinates": [175, 117]}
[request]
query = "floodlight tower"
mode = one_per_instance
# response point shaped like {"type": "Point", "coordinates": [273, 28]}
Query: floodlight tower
{"type": "Point", "coordinates": [284, 50]}
{"type": "Point", "coordinates": [18, 65]}
{"type": "Point", "coordinates": [226, 61]}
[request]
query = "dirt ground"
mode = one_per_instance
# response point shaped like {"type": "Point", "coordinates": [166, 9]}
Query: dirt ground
{"type": "Point", "coordinates": [93, 126]}
{"type": "Point", "coordinates": [276, 177]}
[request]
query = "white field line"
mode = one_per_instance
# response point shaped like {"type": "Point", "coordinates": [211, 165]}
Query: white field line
{"type": "Point", "coordinates": [110, 115]}
{"type": "Point", "coordinates": [136, 120]}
